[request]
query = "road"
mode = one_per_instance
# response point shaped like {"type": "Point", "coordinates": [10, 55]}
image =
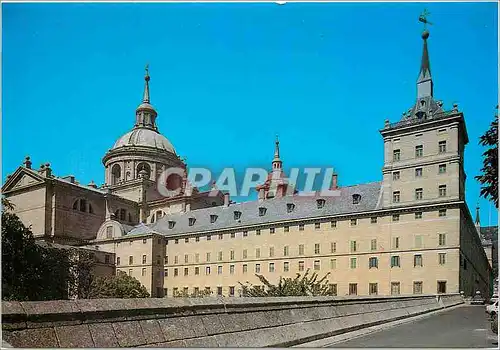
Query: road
{"type": "Point", "coordinates": [462, 327]}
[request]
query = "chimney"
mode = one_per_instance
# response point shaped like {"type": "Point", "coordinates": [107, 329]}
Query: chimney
{"type": "Point", "coordinates": [27, 162]}
{"type": "Point", "coordinates": [92, 184]}
{"type": "Point", "coordinates": [45, 170]}
{"type": "Point", "coordinates": [334, 184]}
{"type": "Point", "coordinates": [70, 178]}
{"type": "Point", "coordinates": [226, 199]}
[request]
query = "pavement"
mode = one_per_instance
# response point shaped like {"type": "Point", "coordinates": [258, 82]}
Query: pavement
{"type": "Point", "coordinates": [465, 326]}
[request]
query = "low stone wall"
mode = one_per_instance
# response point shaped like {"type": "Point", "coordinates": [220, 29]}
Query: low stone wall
{"type": "Point", "coordinates": [202, 322]}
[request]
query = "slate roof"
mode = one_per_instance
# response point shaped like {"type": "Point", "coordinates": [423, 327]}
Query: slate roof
{"type": "Point", "coordinates": [276, 210]}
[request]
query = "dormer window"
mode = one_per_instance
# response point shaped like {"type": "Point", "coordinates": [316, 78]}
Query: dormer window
{"type": "Point", "coordinates": [320, 203]}
{"type": "Point", "coordinates": [191, 221]}
{"type": "Point", "coordinates": [213, 218]}
{"type": "Point", "coordinates": [171, 224]}
{"type": "Point", "coordinates": [262, 211]}
{"type": "Point", "coordinates": [356, 198]}
{"type": "Point", "coordinates": [290, 207]}
{"type": "Point", "coordinates": [237, 215]}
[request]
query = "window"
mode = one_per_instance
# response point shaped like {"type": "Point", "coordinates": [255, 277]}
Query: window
{"type": "Point", "coordinates": [130, 272]}
{"type": "Point", "coordinates": [353, 246]}
{"type": "Point", "coordinates": [395, 242]}
{"type": "Point", "coordinates": [301, 227]}
{"type": "Point", "coordinates": [106, 259]}
{"type": "Point", "coordinates": [213, 218]}
{"type": "Point", "coordinates": [143, 272]}
{"type": "Point", "coordinates": [245, 233]}
{"type": "Point", "coordinates": [396, 175]}
{"type": "Point", "coordinates": [442, 258]}
{"type": "Point", "coordinates": [395, 217]}
{"type": "Point", "coordinates": [219, 256]}
{"type": "Point", "coordinates": [442, 212]}
{"type": "Point", "coordinates": [442, 146]}
{"type": "Point", "coordinates": [286, 229]}
{"type": "Point", "coordinates": [176, 241]}
{"type": "Point", "coordinates": [244, 254]}
{"type": "Point", "coordinates": [197, 270]}
{"type": "Point", "coordinates": [285, 250]}
{"type": "Point", "coordinates": [333, 289]}
{"type": "Point", "coordinates": [130, 260]}
{"type": "Point", "coordinates": [418, 241]}
{"type": "Point", "coordinates": [442, 168]}
{"type": "Point", "coordinates": [417, 260]}
{"type": "Point", "coordinates": [396, 196]}
{"type": "Point", "coordinates": [356, 198]}
{"type": "Point", "coordinates": [290, 207]}
{"type": "Point", "coordinates": [301, 249]}
{"type": "Point", "coordinates": [221, 236]}
{"type": "Point", "coordinates": [186, 271]}
{"type": "Point", "coordinates": [237, 215]}
{"type": "Point", "coordinates": [171, 224]}
{"type": "Point", "coordinates": [197, 239]}
{"type": "Point", "coordinates": [373, 244]}
{"type": "Point", "coordinates": [419, 193]}
{"type": "Point", "coordinates": [192, 221]}
{"type": "Point", "coordinates": [317, 265]}
{"type": "Point", "coordinates": [209, 238]}
{"type": "Point", "coordinates": [117, 260]}
{"type": "Point", "coordinates": [231, 255]}
{"type": "Point", "coordinates": [333, 224]}
{"type": "Point", "coordinates": [441, 287]}
{"type": "Point", "coordinates": [333, 247]}
{"type": "Point", "coordinates": [333, 264]}
{"type": "Point", "coordinates": [316, 248]}
{"type": "Point", "coordinates": [176, 259]}
{"type": "Point", "coordinates": [418, 215]}
{"type": "Point", "coordinates": [144, 241]}
{"type": "Point", "coordinates": [257, 253]}
{"type": "Point", "coordinates": [144, 259]}
{"type": "Point", "coordinates": [373, 288]}
{"type": "Point", "coordinates": [301, 266]}
{"type": "Point", "coordinates": [395, 261]}
{"type": "Point", "coordinates": [442, 190]}
{"type": "Point", "coordinates": [219, 270]}
{"type": "Point", "coordinates": [353, 289]}
{"type": "Point", "coordinates": [419, 151]}
{"type": "Point", "coordinates": [317, 225]}
{"type": "Point", "coordinates": [257, 268]}
{"type": "Point", "coordinates": [245, 268]}
{"type": "Point", "coordinates": [257, 232]}
{"type": "Point", "coordinates": [353, 263]}
{"type": "Point", "coordinates": [233, 235]}
{"type": "Point", "coordinates": [83, 204]}
{"type": "Point", "coordinates": [417, 287]}
{"type": "Point", "coordinates": [271, 267]}
{"type": "Point", "coordinates": [208, 257]}
{"type": "Point", "coordinates": [109, 232]}
{"type": "Point", "coordinates": [165, 272]}
{"type": "Point", "coordinates": [442, 239]}
{"type": "Point", "coordinates": [320, 203]}
{"type": "Point", "coordinates": [271, 252]}
{"type": "Point", "coordinates": [207, 270]}
{"type": "Point", "coordinates": [207, 289]}
{"type": "Point", "coordinates": [395, 288]}
{"type": "Point", "coordinates": [176, 272]}
{"type": "Point", "coordinates": [219, 291]}
{"type": "Point", "coordinates": [396, 155]}
{"type": "Point", "coordinates": [262, 211]}
{"type": "Point", "coordinates": [186, 240]}
{"type": "Point", "coordinates": [231, 291]}
{"type": "Point", "coordinates": [354, 222]}
{"type": "Point", "coordinates": [197, 258]}
{"type": "Point", "coordinates": [373, 263]}
{"type": "Point", "coordinates": [196, 290]}
{"type": "Point", "coordinates": [418, 172]}
{"type": "Point", "coordinates": [373, 220]}
{"type": "Point", "coordinates": [286, 266]}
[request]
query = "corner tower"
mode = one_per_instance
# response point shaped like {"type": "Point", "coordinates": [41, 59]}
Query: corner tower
{"type": "Point", "coordinates": [424, 151]}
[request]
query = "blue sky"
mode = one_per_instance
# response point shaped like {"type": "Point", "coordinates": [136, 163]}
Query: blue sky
{"type": "Point", "coordinates": [225, 78]}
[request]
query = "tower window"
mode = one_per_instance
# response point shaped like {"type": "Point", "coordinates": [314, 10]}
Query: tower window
{"type": "Point", "coordinates": [395, 175]}
{"type": "Point", "coordinates": [419, 193]}
{"type": "Point", "coordinates": [237, 215]}
{"type": "Point", "coordinates": [418, 172]}
{"type": "Point", "coordinates": [396, 155]}
{"type": "Point", "coordinates": [442, 190]}
{"type": "Point", "coordinates": [442, 146]}
{"type": "Point", "coordinates": [116, 172]}
{"type": "Point", "coordinates": [442, 168]}
{"type": "Point", "coordinates": [356, 198]}
{"type": "Point", "coordinates": [419, 151]}
{"type": "Point", "coordinates": [396, 196]}
{"type": "Point", "coordinates": [262, 211]}
{"type": "Point", "coordinates": [213, 218]}
{"type": "Point", "coordinates": [290, 207]}
{"type": "Point", "coordinates": [83, 205]}
{"type": "Point", "coordinates": [192, 221]}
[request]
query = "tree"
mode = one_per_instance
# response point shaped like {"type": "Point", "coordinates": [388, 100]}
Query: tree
{"type": "Point", "coordinates": [119, 286]}
{"type": "Point", "coordinates": [298, 286]}
{"type": "Point", "coordinates": [195, 294]}
{"type": "Point", "coordinates": [489, 177]}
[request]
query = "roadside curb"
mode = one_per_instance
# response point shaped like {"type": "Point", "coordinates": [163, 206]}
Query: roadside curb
{"type": "Point", "coordinates": [373, 329]}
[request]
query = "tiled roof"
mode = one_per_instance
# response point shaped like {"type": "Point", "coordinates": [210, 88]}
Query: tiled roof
{"type": "Point", "coordinates": [276, 210]}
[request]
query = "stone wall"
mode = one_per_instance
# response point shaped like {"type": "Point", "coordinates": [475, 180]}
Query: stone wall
{"type": "Point", "coordinates": [202, 322]}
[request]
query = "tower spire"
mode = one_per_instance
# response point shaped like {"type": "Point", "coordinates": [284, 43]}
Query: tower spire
{"type": "Point", "coordinates": [277, 148]}
{"type": "Point", "coordinates": [277, 163]}
{"type": "Point", "coordinates": [478, 220]}
{"type": "Point", "coordinates": [145, 114]}
{"type": "Point", "coordinates": [145, 98]}
{"type": "Point", "coordinates": [424, 82]}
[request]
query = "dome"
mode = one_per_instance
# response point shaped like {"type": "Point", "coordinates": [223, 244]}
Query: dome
{"type": "Point", "coordinates": [146, 138]}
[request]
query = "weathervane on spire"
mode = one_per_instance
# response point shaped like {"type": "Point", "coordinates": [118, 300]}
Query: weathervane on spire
{"type": "Point", "coordinates": [423, 18]}
{"type": "Point", "coordinates": [147, 68]}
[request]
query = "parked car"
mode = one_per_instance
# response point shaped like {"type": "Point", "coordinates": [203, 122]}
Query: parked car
{"type": "Point", "coordinates": [492, 309]}
{"type": "Point", "coordinates": [478, 299]}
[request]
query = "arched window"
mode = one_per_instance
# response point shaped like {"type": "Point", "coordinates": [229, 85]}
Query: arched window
{"type": "Point", "coordinates": [83, 205]}
{"type": "Point", "coordinates": [129, 217]}
{"type": "Point", "coordinates": [91, 210]}
{"type": "Point", "coordinates": [128, 176]}
{"type": "Point", "coordinates": [153, 218]}
{"type": "Point", "coordinates": [143, 166]}
{"type": "Point", "coordinates": [116, 173]}
{"type": "Point", "coordinates": [75, 205]}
